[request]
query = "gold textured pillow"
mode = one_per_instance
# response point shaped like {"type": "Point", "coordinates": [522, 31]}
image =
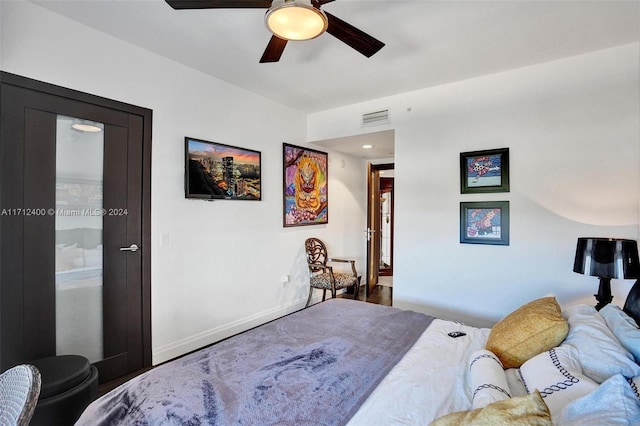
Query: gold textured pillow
{"type": "Point", "coordinates": [529, 330]}
{"type": "Point", "coordinates": [527, 410]}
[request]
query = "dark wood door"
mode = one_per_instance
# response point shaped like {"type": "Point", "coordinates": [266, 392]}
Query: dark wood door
{"type": "Point", "coordinates": [28, 225]}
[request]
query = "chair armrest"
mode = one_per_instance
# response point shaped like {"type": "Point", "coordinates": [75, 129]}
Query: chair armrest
{"type": "Point", "coordinates": [352, 262]}
{"type": "Point", "coordinates": [335, 259]}
{"type": "Point", "coordinates": [320, 266]}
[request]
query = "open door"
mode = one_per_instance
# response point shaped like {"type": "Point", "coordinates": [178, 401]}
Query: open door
{"type": "Point", "coordinates": [374, 224]}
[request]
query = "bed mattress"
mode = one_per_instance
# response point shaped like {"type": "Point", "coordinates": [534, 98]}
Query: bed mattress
{"type": "Point", "coordinates": [431, 380]}
{"type": "Point", "coordinates": [313, 367]}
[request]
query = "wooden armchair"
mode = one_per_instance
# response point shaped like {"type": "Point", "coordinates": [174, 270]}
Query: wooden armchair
{"type": "Point", "coordinates": [322, 276]}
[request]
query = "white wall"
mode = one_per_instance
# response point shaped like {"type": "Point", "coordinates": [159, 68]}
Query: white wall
{"type": "Point", "coordinates": [217, 267]}
{"type": "Point", "coordinates": [572, 127]}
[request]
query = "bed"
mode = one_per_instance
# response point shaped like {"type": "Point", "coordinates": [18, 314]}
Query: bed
{"type": "Point", "coordinates": [345, 362]}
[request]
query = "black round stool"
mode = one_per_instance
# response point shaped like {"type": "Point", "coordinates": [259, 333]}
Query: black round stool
{"type": "Point", "coordinates": [69, 384]}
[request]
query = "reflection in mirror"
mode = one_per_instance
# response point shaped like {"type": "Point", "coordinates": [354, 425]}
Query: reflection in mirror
{"type": "Point", "coordinates": [79, 187]}
{"type": "Point", "coordinates": [386, 226]}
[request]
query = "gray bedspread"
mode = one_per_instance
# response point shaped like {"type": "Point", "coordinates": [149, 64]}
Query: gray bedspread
{"type": "Point", "coordinates": [313, 367]}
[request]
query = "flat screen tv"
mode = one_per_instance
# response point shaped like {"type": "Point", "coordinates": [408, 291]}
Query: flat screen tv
{"type": "Point", "coordinates": [218, 171]}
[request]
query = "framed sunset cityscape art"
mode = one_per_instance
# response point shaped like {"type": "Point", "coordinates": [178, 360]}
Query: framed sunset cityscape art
{"type": "Point", "coordinates": [219, 171]}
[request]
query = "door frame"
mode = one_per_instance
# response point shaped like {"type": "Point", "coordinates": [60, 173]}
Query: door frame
{"type": "Point", "coordinates": [373, 223]}
{"type": "Point", "coordinates": [8, 79]}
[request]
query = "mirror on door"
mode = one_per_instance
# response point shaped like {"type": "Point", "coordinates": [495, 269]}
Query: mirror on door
{"type": "Point", "coordinates": [386, 223]}
{"type": "Point", "coordinates": [79, 225]}
{"type": "Point", "coordinates": [380, 218]}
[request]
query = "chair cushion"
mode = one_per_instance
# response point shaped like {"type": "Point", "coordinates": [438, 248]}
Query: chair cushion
{"type": "Point", "coordinates": [324, 281]}
{"type": "Point", "coordinates": [61, 373]}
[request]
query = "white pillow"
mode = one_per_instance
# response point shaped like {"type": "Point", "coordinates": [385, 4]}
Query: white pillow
{"type": "Point", "coordinates": [488, 380]}
{"type": "Point", "coordinates": [558, 376]}
{"type": "Point", "coordinates": [624, 328]}
{"type": "Point", "coordinates": [514, 380]}
{"type": "Point", "coordinates": [613, 403]}
{"type": "Point", "coordinates": [599, 351]}
{"type": "Point", "coordinates": [93, 257]}
{"type": "Point", "coordinates": [68, 257]}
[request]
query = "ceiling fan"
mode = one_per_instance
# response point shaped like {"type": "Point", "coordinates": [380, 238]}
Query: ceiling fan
{"type": "Point", "coordinates": [278, 23]}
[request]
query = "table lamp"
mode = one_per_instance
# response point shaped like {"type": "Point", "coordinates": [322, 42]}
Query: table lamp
{"type": "Point", "coordinates": [606, 258]}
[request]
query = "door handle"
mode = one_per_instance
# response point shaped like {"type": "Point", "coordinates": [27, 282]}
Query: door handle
{"type": "Point", "coordinates": [369, 233]}
{"type": "Point", "coordinates": [132, 247]}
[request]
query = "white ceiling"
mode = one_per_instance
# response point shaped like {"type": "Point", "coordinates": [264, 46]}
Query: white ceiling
{"type": "Point", "coordinates": [382, 145]}
{"type": "Point", "coordinates": [428, 43]}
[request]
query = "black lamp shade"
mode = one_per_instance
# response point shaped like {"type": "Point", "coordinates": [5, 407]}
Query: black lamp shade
{"type": "Point", "coordinates": [607, 258]}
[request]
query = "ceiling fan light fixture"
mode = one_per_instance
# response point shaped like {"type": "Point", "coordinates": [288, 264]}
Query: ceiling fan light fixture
{"type": "Point", "coordinates": [295, 20]}
{"type": "Point", "coordinates": [86, 126]}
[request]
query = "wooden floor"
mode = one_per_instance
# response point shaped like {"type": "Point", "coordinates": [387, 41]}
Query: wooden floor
{"type": "Point", "coordinates": [381, 295]}
{"type": "Point", "coordinates": [109, 386]}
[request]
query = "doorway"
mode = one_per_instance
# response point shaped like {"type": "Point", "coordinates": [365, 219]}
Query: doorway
{"type": "Point", "coordinates": [380, 219]}
{"type": "Point", "coordinates": [386, 225]}
{"type": "Point", "coordinates": [75, 247]}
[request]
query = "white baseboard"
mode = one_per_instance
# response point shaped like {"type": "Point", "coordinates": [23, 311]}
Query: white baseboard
{"type": "Point", "coordinates": [183, 346]}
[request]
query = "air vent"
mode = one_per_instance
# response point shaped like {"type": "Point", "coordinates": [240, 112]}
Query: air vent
{"type": "Point", "coordinates": [375, 118]}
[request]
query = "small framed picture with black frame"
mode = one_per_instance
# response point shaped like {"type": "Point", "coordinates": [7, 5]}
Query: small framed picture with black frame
{"type": "Point", "coordinates": [484, 222]}
{"type": "Point", "coordinates": [484, 171]}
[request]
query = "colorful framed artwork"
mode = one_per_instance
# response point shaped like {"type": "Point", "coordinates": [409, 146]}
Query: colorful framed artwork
{"type": "Point", "coordinates": [305, 194]}
{"type": "Point", "coordinates": [484, 222]}
{"type": "Point", "coordinates": [218, 171]}
{"type": "Point", "coordinates": [484, 171]}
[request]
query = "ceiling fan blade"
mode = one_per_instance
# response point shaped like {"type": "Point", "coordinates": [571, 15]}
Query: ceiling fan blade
{"type": "Point", "coordinates": [347, 33]}
{"type": "Point", "coordinates": [218, 4]}
{"type": "Point", "coordinates": [274, 50]}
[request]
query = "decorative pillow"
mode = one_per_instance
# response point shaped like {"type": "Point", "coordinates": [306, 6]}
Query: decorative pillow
{"type": "Point", "coordinates": [624, 328]}
{"type": "Point", "coordinates": [488, 380]}
{"type": "Point", "coordinates": [558, 376]}
{"type": "Point", "coordinates": [600, 353]}
{"type": "Point", "coordinates": [529, 330]}
{"type": "Point", "coordinates": [68, 257]}
{"type": "Point", "coordinates": [61, 265]}
{"type": "Point", "coordinates": [522, 411]}
{"type": "Point", "coordinates": [615, 402]}
{"type": "Point", "coordinates": [93, 257]}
